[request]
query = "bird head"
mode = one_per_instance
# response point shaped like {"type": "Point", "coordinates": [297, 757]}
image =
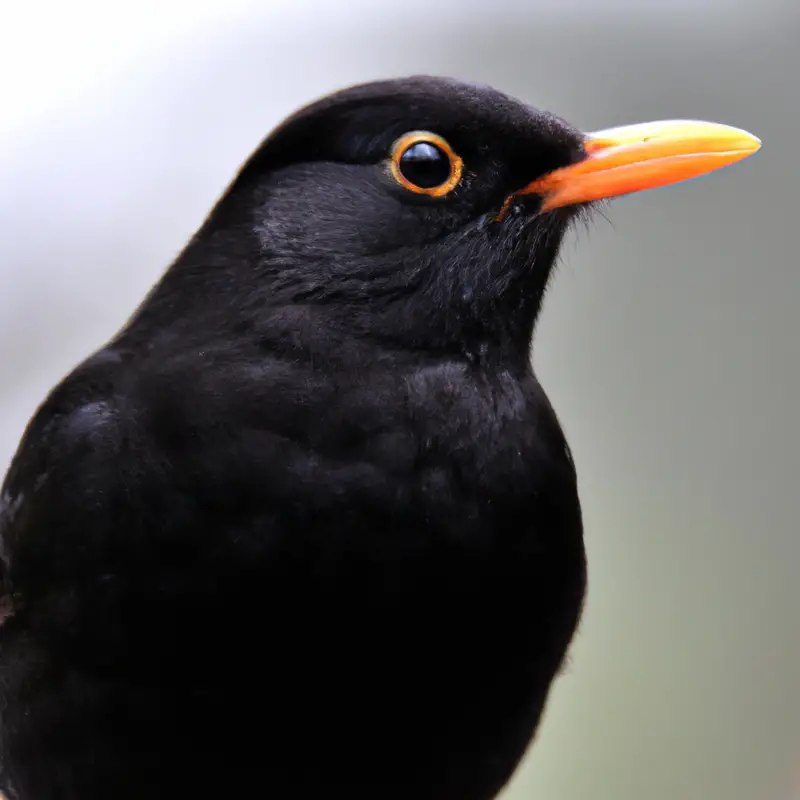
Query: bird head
{"type": "Point", "coordinates": [423, 212]}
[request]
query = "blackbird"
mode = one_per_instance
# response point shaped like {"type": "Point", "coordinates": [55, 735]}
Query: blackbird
{"type": "Point", "coordinates": [307, 526]}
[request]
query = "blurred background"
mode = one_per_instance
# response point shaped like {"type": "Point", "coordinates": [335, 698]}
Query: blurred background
{"type": "Point", "coordinates": [670, 342]}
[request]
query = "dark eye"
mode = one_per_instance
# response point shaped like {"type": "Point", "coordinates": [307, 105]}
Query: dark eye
{"type": "Point", "coordinates": [425, 163]}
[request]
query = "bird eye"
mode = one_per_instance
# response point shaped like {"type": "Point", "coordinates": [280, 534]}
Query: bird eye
{"type": "Point", "coordinates": [425, 163]}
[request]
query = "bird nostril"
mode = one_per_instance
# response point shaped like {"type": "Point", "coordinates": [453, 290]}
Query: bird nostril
{"type": "Point", "coordinates": [591, 146]}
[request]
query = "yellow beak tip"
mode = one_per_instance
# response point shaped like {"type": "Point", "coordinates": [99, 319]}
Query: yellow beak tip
{"type": "Point", "coordinates": [755, 143]}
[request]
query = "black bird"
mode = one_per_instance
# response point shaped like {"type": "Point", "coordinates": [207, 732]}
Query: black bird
{"type": "Point", "coordinates": [307, 526]}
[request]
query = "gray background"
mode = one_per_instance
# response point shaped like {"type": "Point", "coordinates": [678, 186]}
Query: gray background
{"type": "Point", "coordinates": [669, 343]}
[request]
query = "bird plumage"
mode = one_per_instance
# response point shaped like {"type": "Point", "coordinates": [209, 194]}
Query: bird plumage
{"type": "Point", "coordinates": [308, 523]}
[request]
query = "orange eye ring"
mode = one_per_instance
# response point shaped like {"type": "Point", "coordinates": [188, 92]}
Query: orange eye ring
{"type": "Point", "coordinates": [405, 143]}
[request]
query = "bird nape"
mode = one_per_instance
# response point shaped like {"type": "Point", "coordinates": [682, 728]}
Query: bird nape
{"type": "Point", "coordinates": [307, 525]}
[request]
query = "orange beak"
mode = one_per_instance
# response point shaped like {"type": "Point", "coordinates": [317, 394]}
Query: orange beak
{"type": "Point", "coordinates": [638, 157]}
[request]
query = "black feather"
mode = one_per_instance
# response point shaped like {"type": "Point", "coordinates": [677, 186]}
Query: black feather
{"type": "Point", "coordinates": [308, 523]}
